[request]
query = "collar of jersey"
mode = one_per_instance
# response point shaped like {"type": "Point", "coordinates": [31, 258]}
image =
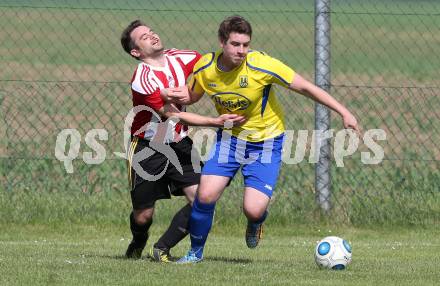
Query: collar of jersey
{"type": "Point", "coordinates": [164, 68]}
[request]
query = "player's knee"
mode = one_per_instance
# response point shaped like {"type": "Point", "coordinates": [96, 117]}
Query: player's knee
{"type": "Point", "coordinates": [142, 218]}
{"type": "Point", "coordinates": [254, 214]}
{"type": "Point", "coordinates": [206, 198]}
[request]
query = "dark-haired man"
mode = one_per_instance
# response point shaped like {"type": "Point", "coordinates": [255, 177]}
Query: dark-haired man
{"type": "Point", "coordinates": [159, 156]}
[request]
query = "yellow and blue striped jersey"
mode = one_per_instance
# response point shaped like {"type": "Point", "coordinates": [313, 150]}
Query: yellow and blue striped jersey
{"type": "Point", "coordinates": [246, 90]}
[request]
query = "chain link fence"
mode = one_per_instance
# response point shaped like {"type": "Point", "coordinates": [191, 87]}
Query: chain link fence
{"type": "Point", "coordinates": [63, 68]}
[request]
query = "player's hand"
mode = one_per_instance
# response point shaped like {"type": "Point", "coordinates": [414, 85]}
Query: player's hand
{"type": "Point", "coordinates": [350, 122]}
{"type": "Point", "coordinates": [179, 95]}
{"type": "Point", "coordinates": [231, 120]}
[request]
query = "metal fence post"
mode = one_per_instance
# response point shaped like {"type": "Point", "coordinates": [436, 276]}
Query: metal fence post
{"type": "Point", "coordinates": [322, 114]}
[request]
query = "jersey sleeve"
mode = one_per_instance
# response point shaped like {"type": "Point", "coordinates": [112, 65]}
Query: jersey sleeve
{"type": "Point", "coordinates": [192, 62]}
{"type": "Point", "coordinates": [272, 70]}
{"type": "Point", "coordinates": [144, 93]}
{"type": "Point", "coordinates": [195, 85]}
{"type": "Point", "coordinates": [152, 100]}
{"type": "Point", "coordinates": [187, 58]}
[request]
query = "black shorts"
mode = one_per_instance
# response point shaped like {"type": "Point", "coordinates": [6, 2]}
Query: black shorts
{"type": "Point", "coordinates": [155, 177]}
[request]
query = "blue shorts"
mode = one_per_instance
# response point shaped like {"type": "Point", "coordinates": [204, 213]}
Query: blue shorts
{"type": "Point", "coordinates": [261, 161]}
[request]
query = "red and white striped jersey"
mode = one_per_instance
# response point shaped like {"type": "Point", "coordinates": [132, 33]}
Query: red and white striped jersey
{"type": "Point", "coordinates": [146, 84]}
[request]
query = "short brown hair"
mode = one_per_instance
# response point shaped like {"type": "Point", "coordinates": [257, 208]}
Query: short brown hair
{"type": "Point", "coordinates": [235, 24]}
{"type": "Point", "coordinates": [126, 40]}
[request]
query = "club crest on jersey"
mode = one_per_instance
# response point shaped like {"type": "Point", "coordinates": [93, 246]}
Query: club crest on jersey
{"type": "Point", "coordinates": [243, 81]}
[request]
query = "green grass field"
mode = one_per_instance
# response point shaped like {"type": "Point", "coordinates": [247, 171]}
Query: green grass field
{"type": "Point", "coordinates": [92, 255]}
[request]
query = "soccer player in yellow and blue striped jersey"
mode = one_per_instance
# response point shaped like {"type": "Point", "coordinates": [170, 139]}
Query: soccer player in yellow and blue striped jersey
{"type": "Point", "coordinates": [246, 90]}
{"type": "Point", "coordinates": [240, 81]}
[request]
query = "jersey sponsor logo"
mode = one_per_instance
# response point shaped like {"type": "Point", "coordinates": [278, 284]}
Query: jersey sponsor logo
{"type": "Point", "coordinates": [211, 84]}
{"type": "Point", "coordinates": [243, 81]}
{"type": "Point", "coordinates": [231, 101]}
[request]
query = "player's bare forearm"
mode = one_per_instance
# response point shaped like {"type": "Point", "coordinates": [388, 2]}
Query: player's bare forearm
{"type": "Point", "coordinates": [319, 95]}
{"type": "Point", "coordinates": [193, 119]}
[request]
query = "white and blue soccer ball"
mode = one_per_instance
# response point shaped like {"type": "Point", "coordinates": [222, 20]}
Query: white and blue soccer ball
{"type": "Point", "coordinates": [333, 252]}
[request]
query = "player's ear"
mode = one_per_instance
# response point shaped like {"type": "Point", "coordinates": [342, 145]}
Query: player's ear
{"type": "Point", "coordinates": [222, 44]}
{"type": "Point", "coordinates": [135, 53]}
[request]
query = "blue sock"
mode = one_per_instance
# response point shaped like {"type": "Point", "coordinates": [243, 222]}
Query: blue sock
{"type": "Point", "coordinates": [200, 224]}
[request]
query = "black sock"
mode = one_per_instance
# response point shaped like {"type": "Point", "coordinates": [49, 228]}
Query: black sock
{"type": "Point", "coordinates": [140, 232]}
{"type": "Point", "coordinates": [177, 230]}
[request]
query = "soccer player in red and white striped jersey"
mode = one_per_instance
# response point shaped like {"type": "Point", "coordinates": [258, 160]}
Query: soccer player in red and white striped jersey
{"type": "Point", "coordinates": [147, 82]}
{"type": "Point", "coordinates": [160, 70]}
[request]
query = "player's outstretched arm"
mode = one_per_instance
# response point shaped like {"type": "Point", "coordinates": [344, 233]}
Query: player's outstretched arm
{"type": "Point", "coordinates": [199, 120]}
{"type": "Point", "coordinates": [304, 87]}
{"type": "Point", "coordinates": [188, 118]}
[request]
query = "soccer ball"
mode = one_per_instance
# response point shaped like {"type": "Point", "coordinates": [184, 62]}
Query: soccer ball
{"type": "Point", "coordinates": [333, 252]}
